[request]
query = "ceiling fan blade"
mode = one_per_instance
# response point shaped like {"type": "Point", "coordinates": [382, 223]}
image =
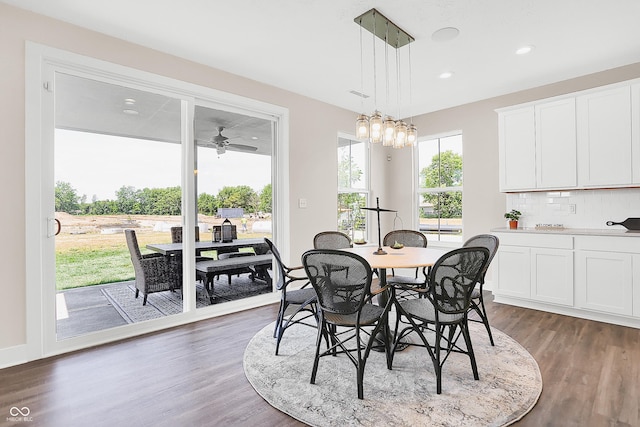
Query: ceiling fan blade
{"type": "Point", "coordinates": [243, 147]}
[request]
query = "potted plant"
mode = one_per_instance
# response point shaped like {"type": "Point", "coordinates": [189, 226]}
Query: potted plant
{"type": "Point", "coordinates": [513, 218]}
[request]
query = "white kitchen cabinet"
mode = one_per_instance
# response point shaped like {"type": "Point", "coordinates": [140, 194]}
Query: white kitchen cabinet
{"type": "Point", "coordinates": [536, 266]}
{"type": "Point", "coordinates": [636, 285]}
{"type": "Point", "coordinates": [635, 132]}
{"type": "Point", "coordinates": [552, 275]}
{"type": "Point", "coordinates": [517, 149]}
{"type": "Point", "coordinates": [604, 138]}
{"type": "Point", "coordinates": [513, 271]}
{"type": "Point", "coordinates": [538, 146]}
{"type": "Point", "coordinates": [604, 281]}
{"type": "Point", "coordinates": [555, 142]}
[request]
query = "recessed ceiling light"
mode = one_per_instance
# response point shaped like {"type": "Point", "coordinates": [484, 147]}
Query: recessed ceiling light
{"type": "Point", "coordinates": [524, 50]}
{"type": "Point", "coordinates": [254, 137]}
{"type": "Point", "coordinates": [445, 34]}
{"type": "Point", "coordinates": [446, 74]}
{"type": "Point", "coordinates": [129, 101]}
{"type": "Point", "coordinates": [130, 112]}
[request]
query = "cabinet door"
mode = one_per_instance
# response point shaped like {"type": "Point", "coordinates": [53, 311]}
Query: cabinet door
{"type": "Point", "coordinates": [552, 275]}
{"type": "Point", "coordinates": [517, 149]}
{"type": "Point", "coordinates": [636, 285]}
{"type": "Point", "coordinates": [513, 268]}
{"type": "Point", "coordinates": [635, 132]}
{"type": "Point", "coordinates": [604, 138]}
{"type": "Point", "coordinates": [604, 281]}
{"type": "Point", "coordinates": [556, 144]}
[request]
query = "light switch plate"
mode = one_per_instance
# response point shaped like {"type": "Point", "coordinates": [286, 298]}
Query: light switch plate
{"type": "Point", "coordinates": [302, 203]}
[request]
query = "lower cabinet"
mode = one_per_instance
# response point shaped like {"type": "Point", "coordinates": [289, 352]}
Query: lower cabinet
{"type": "Point", "coordinates": [605, 275]}
{"type": "Point", "coordinates": [552, 275]}
{"type": "Point", "coordinates": [537, 267]}
{"type": "Point", "coordinates": [595, 277]}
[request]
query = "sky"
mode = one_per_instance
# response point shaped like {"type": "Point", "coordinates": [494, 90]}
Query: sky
{"type": "Point", "coordinates": [101, 164]}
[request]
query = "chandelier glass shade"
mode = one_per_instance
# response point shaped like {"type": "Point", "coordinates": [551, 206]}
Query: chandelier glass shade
{"type": "Point", "coordinates": [378, 127]}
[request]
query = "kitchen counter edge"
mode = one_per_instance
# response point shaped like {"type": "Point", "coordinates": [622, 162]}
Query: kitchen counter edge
{"type": "Point", "coordinates": [571, 231]}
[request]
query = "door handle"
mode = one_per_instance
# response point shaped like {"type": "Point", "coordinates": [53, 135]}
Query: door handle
{"type": "Point", "coordinates": [54, 227]}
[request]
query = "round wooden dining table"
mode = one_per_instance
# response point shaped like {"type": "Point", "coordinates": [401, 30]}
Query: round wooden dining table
{"type": "Point", "coordinates": [406, 257]}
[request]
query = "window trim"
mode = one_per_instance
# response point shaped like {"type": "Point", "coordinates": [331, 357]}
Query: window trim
{"type": "Point", "coordinates": [419, 190]}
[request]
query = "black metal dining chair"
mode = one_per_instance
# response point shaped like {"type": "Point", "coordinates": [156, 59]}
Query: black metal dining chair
{"type": "Point", "coordinates": [490, 242]}
{"type": "Point", "coordinates": [415, 239]}
{"type": "Point", "coordinates": [451, 283]}
{"type": "Point", "coordinates": [303, 299]}
{"type": "Point", "coordinates": [345, 308]}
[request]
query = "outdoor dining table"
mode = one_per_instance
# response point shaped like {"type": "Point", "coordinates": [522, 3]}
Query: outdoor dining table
{"type": "Point", "coordinates": [208, 269]}
{"type": "Point", "coordinates": [176, 248]}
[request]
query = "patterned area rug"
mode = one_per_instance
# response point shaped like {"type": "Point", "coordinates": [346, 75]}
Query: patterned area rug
{"type": "Point", "coordinates": [160, 304]}
{"type": "Point", "coordinates": [509, 386]}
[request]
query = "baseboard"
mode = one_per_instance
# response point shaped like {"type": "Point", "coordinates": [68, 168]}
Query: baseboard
{"type": "Point", "coordinates": [12, 356]}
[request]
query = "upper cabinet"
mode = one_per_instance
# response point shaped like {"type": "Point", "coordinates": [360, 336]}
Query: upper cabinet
{"type": "Point", "coordinates": [517, 149]}
{"type": "Point", "coordinates": [538, 146]}
{"type": "Point", "coordinates": [604, 138]}
{"type": "Point", "coordinates": [556, 144]}
{"type": "Point", "coordinates": [589, 139]}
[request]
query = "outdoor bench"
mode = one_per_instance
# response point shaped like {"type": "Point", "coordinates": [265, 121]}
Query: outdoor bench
{"type": "Point", "coordinates": [207, 270]}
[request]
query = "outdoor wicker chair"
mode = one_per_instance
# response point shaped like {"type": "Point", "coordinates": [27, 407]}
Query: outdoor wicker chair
{"type": "Point", "coordinates": [154, 272]}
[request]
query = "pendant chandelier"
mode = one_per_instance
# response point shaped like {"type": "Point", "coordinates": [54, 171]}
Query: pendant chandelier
{"type": "Point", "coordinates": [378, 127]}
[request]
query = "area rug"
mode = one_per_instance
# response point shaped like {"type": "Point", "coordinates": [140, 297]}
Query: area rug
{"type": "Point", "coordinates": [160, 304]}
{"type": "Point", "coordinates": [509, 386]}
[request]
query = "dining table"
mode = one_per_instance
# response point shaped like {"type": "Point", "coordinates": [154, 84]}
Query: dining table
{"type": "Point", "coordinates": [405, 257]}
{"type": "Point", "coordinates": [207, 269]}
{"type": "Point", "coordinates": [176, 248]}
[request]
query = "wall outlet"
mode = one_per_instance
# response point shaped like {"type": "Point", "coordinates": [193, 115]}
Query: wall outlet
{"type": "Point", "coordinates": [572, 209]}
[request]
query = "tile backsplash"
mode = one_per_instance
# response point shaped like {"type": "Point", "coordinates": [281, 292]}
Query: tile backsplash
{"type": "Point", "coordinates": [577, 208]}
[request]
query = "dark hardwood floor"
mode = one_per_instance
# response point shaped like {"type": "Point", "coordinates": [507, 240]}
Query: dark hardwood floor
{"type": "Point", "coordinates": [192, 376]}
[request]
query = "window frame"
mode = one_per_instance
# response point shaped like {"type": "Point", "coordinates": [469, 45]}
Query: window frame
{"type": "Point", "coordinates": [366, 190]}
{"type": "Point", "coordinates": [420, 190]}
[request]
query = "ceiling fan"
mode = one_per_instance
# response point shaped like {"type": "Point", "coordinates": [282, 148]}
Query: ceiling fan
{"type": "Point", "coordinates": [221, 142]}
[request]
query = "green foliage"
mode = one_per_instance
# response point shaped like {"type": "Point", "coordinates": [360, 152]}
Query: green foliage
{"type": "Point", "coordinates": [349, 211]}
{"type": "Point", "coordinates": [207, 204]}
{"type": "Point", "coordinates": [348, 171]}
{"type": "Point", "coordinates": [444, 171]}
{"type": "Point", "coordinates": [241, 196]}
{"type": "Point", "coordinates": [161, 201]}
{"type": "Point", "coordinates": [266, 199]}
{"type": "Point", "coordinates": [66, 198]}
{"type": "Point", "coordinates": [514, 215]}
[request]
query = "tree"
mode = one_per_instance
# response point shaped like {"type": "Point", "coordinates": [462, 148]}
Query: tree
{"type": "Point", "coordinates": [266, 199]}
{"type": "Point", "coordinates": [66, 198]}
{"type": "Point", "coordinates": [128, 200]}
{"type": "Point", "coordinates": [207, 204]}
{"type": "Point", "coordinates": [445, 171]}
{"type": "Point", "coordinates": [241, 196]}
{"type": "Point", "coordinates": [348, 171]}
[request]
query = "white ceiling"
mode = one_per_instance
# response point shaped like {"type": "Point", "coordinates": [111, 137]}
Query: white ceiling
{"type": "Point", "coordinates": [312, 47]}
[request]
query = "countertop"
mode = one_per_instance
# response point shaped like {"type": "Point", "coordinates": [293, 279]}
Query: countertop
{"type": "Point", "coordinates": [615, 231]}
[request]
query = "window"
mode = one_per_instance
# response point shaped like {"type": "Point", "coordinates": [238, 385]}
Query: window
{"type": "Point", "coordinates": [353, 187]}
{"type": "Point", "coordinates": [440, 187]}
